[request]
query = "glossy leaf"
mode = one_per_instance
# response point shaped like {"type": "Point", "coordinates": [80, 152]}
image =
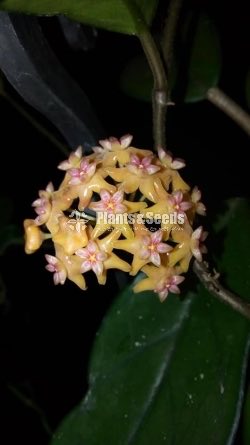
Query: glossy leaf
{"type": "Point", "coordinates": [113, 15]}
{"type": "Point", "coordinates": [170, 373]}
{"type": "Point", "coordinates": [197, 69]}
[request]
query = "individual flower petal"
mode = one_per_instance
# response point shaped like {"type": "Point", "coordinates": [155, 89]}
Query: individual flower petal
{"type": "Point", "coordinates": [145, 253]}
{"type": "Point", "coordinates": [177, 279]}
{"type": "Point", "coordinates": [177, 203]}
{"type": "Point", "coordinates": [57, 268]}
{"type": "Point", "coordinates": [156, 237]}
{"type": "Point", "coordinates": [155, 258]}
{"type": "Point", "coordinates": [72, 161]}
{"type": "Point", "coordinates": [83, 253]}
{"type": "Point", "coordinates": [98, 267]}
{"type": "Point", "coordinates": [164, 248]}
{"type": "Point", "coordinates": [117, 197]}
{"type": "Point", "coordinates": [197, 248]}
{"type": "Point", "coordinates": [105, 196]}
{"type": "Point", "coordinates": [42, 205]}
{"type": "Point", "coordinates": [50, 188]}
{"type": "Point", "coordinates": [169, 284]}
{"type": "Point", "coordinates": [196, 199]}
{"type": "Point", "coordinates": [52, 260]}
{"type": "Point", "coordinates": [86, 266]}
{"type": "Point", "coordinates": [166, 158]}
{"type": "Point", "coordinates": [126, 140]}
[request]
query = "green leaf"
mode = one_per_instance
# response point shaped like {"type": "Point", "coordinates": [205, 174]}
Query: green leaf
{"type": "Point", "coordinates": [196, 67]}
{"type": "Point", "coordinates": [204, 64]}
{"type": "Point", "coordinates": [171, 373]}
{"type": "Point", "coordinates": [113, 15]}
{"type": "Point", "coordinates": [246, 417]}
{"type": "Point", "coordinates": [137, 79]}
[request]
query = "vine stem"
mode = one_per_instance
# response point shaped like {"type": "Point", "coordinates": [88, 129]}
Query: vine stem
{"type": "Point", "coordinates": [229, 107]}
{"type": "Point", "coordinates": [160, 89]}
{"type": "Point", "coordinates": [212, 284]}
{"type": "Point", "coordinates": [169, 31]}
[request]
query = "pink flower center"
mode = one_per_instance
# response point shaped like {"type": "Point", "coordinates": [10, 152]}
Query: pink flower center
{"type": "Point", "coordinates": [144, 165]}
{"type": "Point", "coordinates": [110, 203]}
{"type": "Point", "coordinates": [93, 258]}
{"type": "Point", "coordinates": [152, 247]}
{"type": "Point", "coordinates": [79, 174]}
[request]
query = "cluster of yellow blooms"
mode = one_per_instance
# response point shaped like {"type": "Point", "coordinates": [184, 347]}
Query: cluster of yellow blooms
{"type": "Point", "coordinates": [114, 181]}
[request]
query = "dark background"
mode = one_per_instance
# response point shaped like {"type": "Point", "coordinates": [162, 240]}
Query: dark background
{"type": "Point", "coordinates": [46, 332]}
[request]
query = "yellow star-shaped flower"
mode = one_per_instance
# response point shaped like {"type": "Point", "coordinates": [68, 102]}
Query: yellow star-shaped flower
{"type": "Point", "coordinates": [99, 256]}
{"type": "Point", "coordinates": [141, 173]}
{"type": "Point", "coordinates": [146, 247]}
{"type": "Point", "coordinates": [161, 280]}
{"type": "Point", "coordinates": [113, 212]}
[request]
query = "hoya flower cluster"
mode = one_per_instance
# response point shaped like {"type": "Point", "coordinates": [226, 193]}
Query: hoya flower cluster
{"type": "Point", "coordinates": [119, 198]}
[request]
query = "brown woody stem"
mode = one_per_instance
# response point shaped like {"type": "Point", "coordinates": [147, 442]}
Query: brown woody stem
{"type": "Point", "coordinates": [212, 284]}
{"type": "Point", "coordinates": [229, 107]}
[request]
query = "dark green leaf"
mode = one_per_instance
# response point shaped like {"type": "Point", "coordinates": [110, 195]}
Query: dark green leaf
{"type": "Point", "coordinates": [246, 417]}
{"type": "Point", "coordinates": [169, 373]}
{"type": "Point", "coordinates": [113, 15]}
{"type": "Point", "coordinates": [205, 59]}
{"type": "Point", "coordinates": [196, 67]}
{"type": "Point", "coordinates": [137, 79]}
